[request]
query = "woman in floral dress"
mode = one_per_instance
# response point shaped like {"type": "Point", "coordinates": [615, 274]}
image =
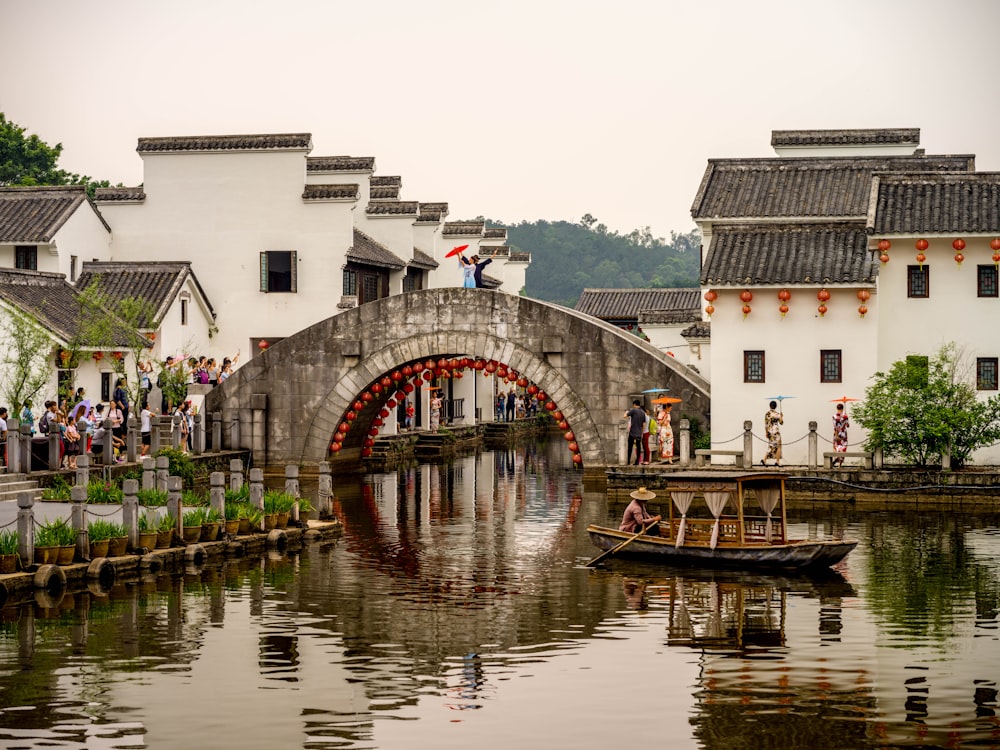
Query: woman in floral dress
{"type": "Point", "coordinates": [665, 434]}
{"type": "Point", "coordinates": [772, 429]}
{"type": "Point", "coordinates": [840, 425]}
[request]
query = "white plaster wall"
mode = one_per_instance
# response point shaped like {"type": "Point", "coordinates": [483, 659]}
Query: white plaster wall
{"type": "Point", "coordinates": [220, 210]}
{"type": "Point", "coordinates": [175, 339]}
{"type": "Point", "coordinates": [792, 365]}
{"type": "Point", "coordinates": [514, 273]}
{"type": "Point", "coordinates": [83, 235]}
{"type": "Point", "coordinates": [952, 313]}
{"type": "Point", "coordinates": [667, 337]}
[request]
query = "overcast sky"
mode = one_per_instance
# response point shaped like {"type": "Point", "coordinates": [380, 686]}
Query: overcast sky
{"type": "Point", "coordinates": [539, 109]}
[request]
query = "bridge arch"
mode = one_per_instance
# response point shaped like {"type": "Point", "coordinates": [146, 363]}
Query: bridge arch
{"type": "Point", "coordinates": [298, 393]}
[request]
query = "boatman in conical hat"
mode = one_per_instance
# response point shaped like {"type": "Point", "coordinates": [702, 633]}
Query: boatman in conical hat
{"type": "Point", "coordinates": [636, 517]}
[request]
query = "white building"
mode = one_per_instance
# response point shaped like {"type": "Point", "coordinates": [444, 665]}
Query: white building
{"type": "Point", "coordinates": [799, 302]}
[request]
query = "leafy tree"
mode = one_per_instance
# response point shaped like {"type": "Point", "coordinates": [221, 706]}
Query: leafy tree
{"type": "Point", "coordinates": [28, 160]}
{"type": "Point", "coordinates": [26, 364]}
{"type": "Point", "coordinates": [925, 408]}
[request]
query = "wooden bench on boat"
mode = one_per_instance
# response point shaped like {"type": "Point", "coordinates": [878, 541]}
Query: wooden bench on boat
{"type": "Point", "coordinates": [701, 453]}
{"type": "Point", "coordinates": [830, 456]}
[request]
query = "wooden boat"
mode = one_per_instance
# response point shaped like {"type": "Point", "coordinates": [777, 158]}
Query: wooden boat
{"type": "Point", "coordinates": [752, 534]}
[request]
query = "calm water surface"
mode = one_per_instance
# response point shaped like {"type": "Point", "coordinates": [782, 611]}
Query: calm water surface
{"type": "Point", "coordinates": [455, 612]}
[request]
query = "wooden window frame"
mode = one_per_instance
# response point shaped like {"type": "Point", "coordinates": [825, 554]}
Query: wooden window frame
{"type": "Point", "coordinates": [983, 366]}
{"type": "Point", "coordinates": [911, 273]}
{"type": "Point", "coordinates": [265, 276]}
{"type": "Point", "coordinates": [748, 365]}
{"type": "Point", "coordinates": [832, 355]}
{"type": "Point", "coordinates": [987, 281]}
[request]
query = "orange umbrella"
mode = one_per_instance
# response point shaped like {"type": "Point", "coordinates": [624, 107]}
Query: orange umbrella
{"type": "Point", "coordinates": [843, 399]}
{"type": "Point", "coordinates": [666, 400]}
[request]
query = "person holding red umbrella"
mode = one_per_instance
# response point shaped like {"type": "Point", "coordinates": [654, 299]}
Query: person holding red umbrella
{"type": "Point", "coordinates": [472, 268]}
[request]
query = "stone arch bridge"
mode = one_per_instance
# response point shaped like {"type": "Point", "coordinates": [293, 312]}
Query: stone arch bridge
{"type": "Point", "coordinates": [292, 398]}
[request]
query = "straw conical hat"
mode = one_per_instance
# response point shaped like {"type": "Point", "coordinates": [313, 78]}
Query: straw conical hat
{"type": "Point", "coordinates": [642, 494]}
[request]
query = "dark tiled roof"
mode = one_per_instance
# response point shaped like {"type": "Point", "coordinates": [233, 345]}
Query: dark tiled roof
{"type": "Point", "coordinates": [369, 252]}
{"type": "Point", "coordinates": [387, 181]}
{"type": "Point", "coordinates": [915, 203]}
{"type": "Point", "coordinates": [330, 192]}
{"type": "Point", "coordinates": [390, 193]}
{"type": "Point", "coordinates": [429, 217]}
{"type": "Point", "coordinates": [438, 208]}
{"type": "Point", "coordinates": [803, 187]}
{"type": "Point", "coordinates": [669, 316]}
{"type": "Point", "coordinates": [491, 282]}
{"type": "Point", "coordinates": [494, 251]}
{"type": "Point", "coordinates": [120, 194]}
{"type": "Point", "coordinates": [700, 330]}
{"type": "Point", "coordinates": [495, 233]}
{"type": "Point", "coordinates": [33, 215]}
{"type": "Point", "coordinates": [53, 302]}
{"type": "Point", "coordinates": [862, 137]}
{"type": "Point", "coordinates": [265, 142]}
{"type": "Point", "coordinates": [340, 163]}
{"type": "Point", "coordinates": [789, 254]}
{"type": "Point", "coordinates": [392, 208]}
{"type": "Point", "coordinates": [520, 257]}
{"type": "Point", "coordinates": [423, 260]}
{"type": "Point", "coordinates": [463, 228]}
{"type": "Point", "coordinates": [156, 282]}
{"type": "Point", "coordinates": [626, 304]}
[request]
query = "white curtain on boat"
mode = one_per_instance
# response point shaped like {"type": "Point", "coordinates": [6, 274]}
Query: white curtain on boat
{"type": "Point", "coordinates": [768, 498]}
{"type": "Point", "coordinates": [716, 500]}
{"type": "Point", "coordinates": [682, 501]}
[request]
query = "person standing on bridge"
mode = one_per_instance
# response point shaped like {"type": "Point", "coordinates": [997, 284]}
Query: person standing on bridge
{"type": "Point", "coordinates": [468, 272]}
{"type": "Point", "coordinates": [637, 418]}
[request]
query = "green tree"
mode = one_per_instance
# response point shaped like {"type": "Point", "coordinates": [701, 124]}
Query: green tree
{"type": "Point", "coordinates": [27, 363]}
{"type": "Point", "coordinates": [28, 160]}
{"type": "Point", "coordinates": [925, 408]}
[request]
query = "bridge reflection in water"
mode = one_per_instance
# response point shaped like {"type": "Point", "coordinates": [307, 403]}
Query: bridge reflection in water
{"type": "Point", "coordinates": [456, 612]}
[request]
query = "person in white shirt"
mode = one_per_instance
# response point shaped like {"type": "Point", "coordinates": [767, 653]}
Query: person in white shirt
{"type": "Point", "coordinates": [146, 428]}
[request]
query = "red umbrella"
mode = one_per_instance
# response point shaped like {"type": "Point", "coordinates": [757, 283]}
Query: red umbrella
{"type": "Point", "coordinates": [843, 399]}
{"type": "Point", "coordinates": [455, 251]}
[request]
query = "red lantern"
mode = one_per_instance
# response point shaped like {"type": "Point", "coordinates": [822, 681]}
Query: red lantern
{"type": "Point", "coordinates": [574, 446]}
{"type": "Point", "coordinates": [491, 366]}
{"type": "Point", "coordinates": [442, 364]}
{"type": "Point", "coordinates": [98, 356]}
{"type": "Point", "coordinates": [959, 245]}
{"type": "Point", "coordinates": [384, 413]}
{"type": "Point", "coordinates": [386, 382]}
{"type": "Point", "coordinates": [336, 447]}
{"type": "Point", "coordinates": [373, 432]}
{"type": "Point", "coordinates": [711, 295]}
{"type": "Point", "coordinates": [407, 371]}
{"type": "Point", "coordinates": [783, 309]}
{"type": "Point", "coordinates": [577, 459]}
{"type": "Point", "coordinates": [823, 296]}
{"type": "Point", "coordinates": [864, 295]}
{"type": "Point", "coordinates": [478, 365]}
{"type": "Point", "coordinates": [367, 397]}
{"type": "Point", "coordinates": [262, 344]}
{"type": "Point", "coordinates": [564, 425]}
{"type": "Point", "coordinates": [357, 406]}
{"type": "Point", "coordinates": [922, 245]}
{"type": "Point", "coordinates": [118, 355]}
{"type": "Point", "coordinates": [418, 367]}
{"type": "Point", "coordinates": [569, 436]}
{"type": "Point", "coordinates": [884, 257]}
{"type": "Point", "coordinates": [532, 389]}
{"type": "Point", "coordinates": [430, 364]}
{"type": "Point", "coordinates": [746, 310]}
{"type": "Point", "coordinates": [378, 422]}
{"type": "Point", "coordinates": [368, 442]}
{"type": "Point", "coordinates": [397, 375]}
{"type": "Point", "coordinates": [884, 245]}
{"type": "Point", "coordinates": [428, 375]}
{"type": "Point", "coordinates": [821, 310]}
{"type": "Point", "coordinates": [376, 388]}
{"type": "Point", "coordinates": [350, 416]}
{"type": "Point", "coordinates": [541, 396]}
{"type": "Point", "coordinates": [921, 258]}
{"type": "Point", "coordinates": [709, 309]}
{"type": "Point", "coordinates": [344, 427]}
{"type": "Point", "coordinates": [366, 452]}
{"type": "Point", "coordinates": [550, 405]}
{"type": "Point", "coordinates": [408, 387]}
{"type": "Point", "coordinates": [995, 244]}
{"type": "Point", "coordinates": [522, 382]}
{"type": "Point", "coordinates": [746, 295]}
{"type": "Point", "coordinates": [784, 295]}
{"type": "Point", "coordinates": [338, 437]}
{"type": "Point", "coordinates": [557, 415]}
{"type": "Point", "coordinates": [863, 310]}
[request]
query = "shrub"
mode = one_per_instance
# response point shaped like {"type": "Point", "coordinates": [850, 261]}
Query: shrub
{"type": "Point", "coordinates": [277, 502]}
{"type": "Point", "coordinates": [57, 533]}
{"type": "Point", "coordinates": [8, 542]}
{"type": "Point", "coordinates": [180, 465]}
{"type": "Point", "coordinates": [100, 529]}
{"type": "Point", "coordinates": [101, 492]}
{"type": "Point", "coordinates": [152, 498]}
{"type": "Point", "coordinates": [237, 496]}
{"type": "Point", "coordinates": [58, 489]}
{"type": "Point", "coordinates": [194, 517]}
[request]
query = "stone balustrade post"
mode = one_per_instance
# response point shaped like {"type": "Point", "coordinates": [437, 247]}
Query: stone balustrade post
{"type": "Point", "coordinates": [175, 505]}
{"type": "Point", "coordinates": [216, 431]}
{"type": "Point", "coordinates": [130, 511]}
{"type": "Point", "coordinates": [78, 520]}
{"type": "Point", "coordinates": [198, 438]}
{"type": "Point", "coordinates": [155, 438]}
{"type": "Point", "coordinates": [13, 446]}
{"type": "Point", "coordinates": [26, 527]}
{"type": "Point", "coordinates": [685, 458]}
{"type": "Point", "coordinates": [813, 445]}
{"type": "Point", "coordinates": [747, 444]}
{"type": "Point", "coordinates": [148, 473]}
{"type": "Point", "coordinates": [25, 431]}
{"type": "Point", "coordinates": [82, 468]}
{"type": "Point", "coordinates": [131, 438]}
{"type": "Point", "coordinates": [292, 488]}
{"type": "Point", "coordinates": [109, 443]}
{"type": "Point", "coordinates": [324, 492]}
{"type": "Point", "coordinates": [55, 459]}
{"type": "Point", "coordinates": [162, 473]}
{"type": "Point", "coordinates": [217, 492]}
{"type": "Point", "coordinates": [236, 474]}
{"type": "Point", "coordinates": [257, 488]}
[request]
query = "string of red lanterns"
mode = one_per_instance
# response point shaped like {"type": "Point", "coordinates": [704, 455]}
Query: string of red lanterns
{"type": "Point", "coordinates": [959, 246]}
{"type": "Point", "coordinates": [823, 296]}
{"type": "Point", "coordinates": [784, 296]}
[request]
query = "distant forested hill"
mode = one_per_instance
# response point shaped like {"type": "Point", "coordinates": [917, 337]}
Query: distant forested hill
{"type": "Point", "coordinates": [566, 258]}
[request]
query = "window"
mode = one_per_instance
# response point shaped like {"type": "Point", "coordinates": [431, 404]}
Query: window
{"type": "Point", "coordinates": [106, 386]}
{"type": "Point", "coordinates": [184, 312]}
{"type": "Point", "coordinates": [830, 366]}
{"type": "Point", "coordinates": [987, 281]}
{"type": "Point", "coordinates": [753, 367]}
{"type": "Point", "coordinates": [413, 280]}
{"type": "Point", "coordinates": [26, 257]}
{"type": "Point", "coordinates": [350, 282]}
{"type": "Point", "coordinates": [918, 281]}
{"type": "Point", "coordinates": [370, 287]}
{"type": "Point", "coordinates": [72, 268]}
{"type": "Point", "coordinates": [277, 271]}
{"type": "Point", "coordinates": [986, 373]}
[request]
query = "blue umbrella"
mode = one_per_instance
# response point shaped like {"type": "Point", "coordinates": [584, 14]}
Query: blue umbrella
{"type": "Point", "coordinates": [777, 398]}
{"type": "Point", "coordinates": [656, 390]}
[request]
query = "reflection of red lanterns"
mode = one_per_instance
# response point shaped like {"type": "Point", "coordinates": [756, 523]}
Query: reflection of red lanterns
{"type": "Point", "coordinates": [959, 246]}
{"type": "Point", "coordinates": [577, 459]}
{"type": "Point", "coordinates": [336, 447]}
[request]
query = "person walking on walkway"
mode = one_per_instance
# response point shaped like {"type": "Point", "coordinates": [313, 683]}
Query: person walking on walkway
{"type": "Point", "coordinates": [665, 434]}
{"type": "Point", "coordinates": [840, 425]}
{"type": "Point", "coordinates": [773, 420]}
{"type": "Point", "coordinates": [636, 422]}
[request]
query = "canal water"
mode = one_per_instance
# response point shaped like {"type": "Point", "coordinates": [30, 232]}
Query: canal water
{"type": "Point", "coordinates": [456, 612]}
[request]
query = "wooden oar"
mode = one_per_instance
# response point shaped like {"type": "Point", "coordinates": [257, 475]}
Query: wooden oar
{"type": "Point", "coordinates": [618, 546]}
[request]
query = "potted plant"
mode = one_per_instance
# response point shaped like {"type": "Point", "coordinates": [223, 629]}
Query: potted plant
{"type": "Point", "coordinates": [211, 525]}
{"type": "Point", "coordinates": [118, 544]}
{"type": "Point", "coordinates": [192, 521]}
{"type": "Point", "coordinates": [99, 532]}
{"type": "Point", "coordinates": [152, 498]}
{"type": "Point", "coordinates": [148, 525]}
{"type": "Point", "coordinates": [55, 543]}
{"type": "Point", "coordinates": [234, 513]}
{"type": "Point", "coordinates": [279, 505]}
{"type": "Point", "coordinates": [254, 518]}
{"type": "Point", "coordinates": [8, 551]}
{"type": "Point", "coordinates": [165, 531]}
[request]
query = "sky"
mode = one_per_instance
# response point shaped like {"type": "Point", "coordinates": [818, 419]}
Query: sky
{"type": "Point", "coordinates": [516, 110]}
